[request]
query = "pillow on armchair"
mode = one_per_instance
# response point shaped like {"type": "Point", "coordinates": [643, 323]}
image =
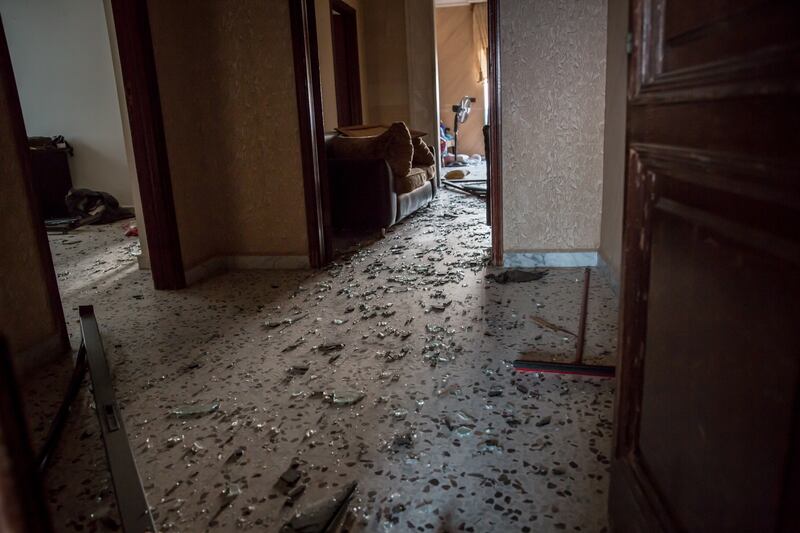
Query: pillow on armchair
{"type": "Point", "coordinates": [394, 145]}
{"type": "Point", "coordinates": [423, 157]}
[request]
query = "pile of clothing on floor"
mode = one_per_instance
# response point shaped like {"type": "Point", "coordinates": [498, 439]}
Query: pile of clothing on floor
{"type": "Point", "coordinates": [86, 206]}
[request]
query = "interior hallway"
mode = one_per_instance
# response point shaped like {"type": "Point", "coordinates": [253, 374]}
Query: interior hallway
{"type": "Point", "coordinates": [446, 437]}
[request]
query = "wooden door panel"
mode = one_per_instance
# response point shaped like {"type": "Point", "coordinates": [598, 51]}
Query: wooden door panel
{"type": "Point", "coordinates": [734, 127]}
{"type": "Point", "coordinates": [716, 370]}
{"type": "Point", "coordinates": [722, 31]}
{"type": "Point", "coordinates": [708, 400]}
{"type": "Point", "coordinates": [681, 20]}
{"type": "Point", "coordinates": [691, 51]}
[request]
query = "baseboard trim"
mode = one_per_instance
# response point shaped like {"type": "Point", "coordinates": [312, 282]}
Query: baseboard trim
{"type": "Point", "coordinates": [605, 270]}
{"type": "Point", "coordinates": [40, 354]}
{"type": "Point", "coordinates": [549, 259]}
{"type": "Point", "coordinates": [220, 264]}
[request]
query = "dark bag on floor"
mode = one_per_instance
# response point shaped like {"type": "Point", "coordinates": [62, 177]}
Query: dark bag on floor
{"type": "Point", "coordinates": [94, 207]}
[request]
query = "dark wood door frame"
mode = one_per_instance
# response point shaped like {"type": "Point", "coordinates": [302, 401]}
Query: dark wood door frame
{"type": "Point", "coordinates": [495, 164]}
{"type": "Point", "coordinates": [352, 76]}
{"type": "Point", "coordinates": [149, 142]}
{"type": "Point", "coordinates": [312, 135]}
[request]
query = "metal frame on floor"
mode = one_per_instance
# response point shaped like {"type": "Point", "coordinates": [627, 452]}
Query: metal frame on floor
{"type": "Point", "coordinates": [131, 500]}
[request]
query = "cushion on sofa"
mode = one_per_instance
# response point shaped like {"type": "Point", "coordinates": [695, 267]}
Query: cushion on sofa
{"type": "Point", "coordinates": [415, 178]}
{"type": "Point", "coordinates": [423, 157]}
{"type": "Point", "coordinates": [394, 145]}
{"type": "Point", "coordinates": [430, 171]}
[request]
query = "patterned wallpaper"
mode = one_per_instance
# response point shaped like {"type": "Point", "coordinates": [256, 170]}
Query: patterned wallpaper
{"type": "Point", "coordinates": [226, 77]}
{"type": "Point", "coordinates": [553, 97]}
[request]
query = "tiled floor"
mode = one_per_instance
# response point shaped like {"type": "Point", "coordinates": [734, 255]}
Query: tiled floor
{"type": "Point", "coordinates": [446, 437]}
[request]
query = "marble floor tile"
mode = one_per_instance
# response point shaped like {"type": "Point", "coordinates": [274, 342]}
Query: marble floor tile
{"type": "Point", "coordinates": [392, 369]}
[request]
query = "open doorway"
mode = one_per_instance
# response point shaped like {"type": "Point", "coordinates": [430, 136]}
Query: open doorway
{"type": "Point", "coordinates": [83, 175]}
{"type": "Point", "coordinates": [463, 91]}
{"type": "Point", "coordinates": [125, 155]}
{"type": "Point", "coordinates": [388, 63]}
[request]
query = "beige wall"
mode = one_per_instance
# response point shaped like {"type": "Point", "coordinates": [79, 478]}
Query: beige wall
{"type": "Point", "coordinates": [386, 60]}
{"type": "Point", "coordinates": [26, 312]}
{"type": "Point", "coordinates": [327, 76]}
{"type": "Point", "coordinates": [326, 69]}
{"type": "Point", "coordinates": [458, 74]}
{"type": "Point", "coordinates": [421, 57]}
{"type": "Point", "coordinates": [226, 77]}
{"type": "Point", "coordinates": [63, 66]}
{"type": "Point", "coordinates": [399, 57]}
{"type": "Point", "coordinates": [553, 91]}
{"type": "Point", "coordinates": [614, 149]}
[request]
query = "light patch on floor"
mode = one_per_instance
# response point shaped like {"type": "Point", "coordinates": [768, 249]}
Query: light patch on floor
{"type": "Point", "coordinates": [447, 436]}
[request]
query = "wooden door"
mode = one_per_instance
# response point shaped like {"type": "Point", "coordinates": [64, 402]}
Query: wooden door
{"type": "Point", "coordinates": [345, 63]}
{"type": "Point", "coordinates": [708, 411]}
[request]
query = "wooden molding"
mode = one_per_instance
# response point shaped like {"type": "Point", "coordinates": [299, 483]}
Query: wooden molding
{"type": "Point", "coordinates": [137, 63]}
{"type": "Point", "coordinates": [495, 134]}
{"type": "Point", "coordinates": [312, 136]}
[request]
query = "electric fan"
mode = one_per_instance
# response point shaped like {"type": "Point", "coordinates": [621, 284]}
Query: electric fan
{"type": "Point", "coordinates": [461, 111]}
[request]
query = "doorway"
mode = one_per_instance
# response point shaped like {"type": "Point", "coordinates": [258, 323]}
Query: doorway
{"type": "Point", "coordinates": [344, 33]}
{"type": "Point", "coordinates": [125, 23]}
{"type": "Point", "coordinates": [463, 96]}
{"type": "Point", "coordinates": [311, 93]}
{"type": "Point", "coordinates": [75, 134]}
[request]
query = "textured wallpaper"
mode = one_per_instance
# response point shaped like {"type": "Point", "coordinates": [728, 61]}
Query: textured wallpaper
{"type": "Point", "coordinates": [553, 91]}
{"type": "Point", "coordinates": [226, 78]}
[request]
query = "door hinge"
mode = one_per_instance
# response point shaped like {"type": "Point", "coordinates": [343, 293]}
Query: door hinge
{"type": "Point", "coordinates": [629, 43]}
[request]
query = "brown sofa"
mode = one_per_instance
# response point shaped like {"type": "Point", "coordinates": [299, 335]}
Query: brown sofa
{"type": "Point", "coordinates": [367, 195]}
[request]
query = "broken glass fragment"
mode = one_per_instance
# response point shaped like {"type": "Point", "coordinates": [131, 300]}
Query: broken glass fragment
{"type": "Point", "coordinates": [188, 411]}
{"type": "Point", "coordinates": [344, 398]}
{"type": "Point", "coordinates": [463, 431]}
{"type": "Point", "coordinates": [197, 448]}
{"type": "Point", "coordinates": [231, 492]}
{"type": "Point", "coordinates": [172, 441]}
{"type": "Point", "coordinates": [400, 414]}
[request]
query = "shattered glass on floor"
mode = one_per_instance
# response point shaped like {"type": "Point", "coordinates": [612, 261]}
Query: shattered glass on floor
{"type": "Point", "coordinates": [255, 400]}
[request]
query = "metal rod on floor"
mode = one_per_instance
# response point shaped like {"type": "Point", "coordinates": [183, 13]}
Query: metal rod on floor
{"type": "Point", "coordinates": [582, 324]}
{"type": "Point", "coordinates": [57, 426]}
{"type": "Point", "coordinates": [131, 501]}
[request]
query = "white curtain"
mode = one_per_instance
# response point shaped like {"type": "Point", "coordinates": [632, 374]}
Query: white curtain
{"type": "Point", "coordinates": [480, 37]}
